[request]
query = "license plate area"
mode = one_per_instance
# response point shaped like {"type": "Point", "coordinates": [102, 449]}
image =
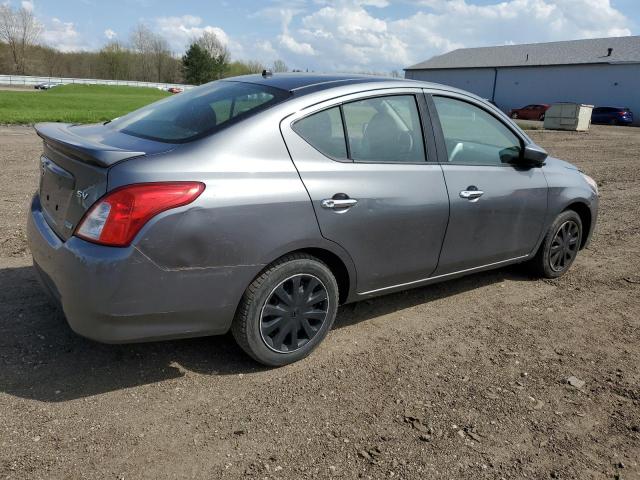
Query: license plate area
{"type": "Point", "coordinates": [56, 191]}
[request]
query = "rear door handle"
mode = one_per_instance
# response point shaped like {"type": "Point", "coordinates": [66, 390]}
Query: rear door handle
{"type": "Point", "coordinates": [471, 194]}
{"type": "Point", "coordinates": [338, 204]}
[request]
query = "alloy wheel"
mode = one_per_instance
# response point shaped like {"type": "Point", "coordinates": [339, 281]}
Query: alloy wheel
{"type": "Point", "coordinates": [294, 313]}
{"type": "Point", "coordinates": [564, 246]}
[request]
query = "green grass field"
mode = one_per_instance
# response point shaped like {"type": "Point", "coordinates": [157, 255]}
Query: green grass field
{"type": "Point", "coordinates": [74, 103]}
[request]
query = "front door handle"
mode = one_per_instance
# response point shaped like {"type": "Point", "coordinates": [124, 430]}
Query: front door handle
{"type": "Point", "coordinates": [471, 194]}
{"type": "Point", "coordinates": [338, 204]}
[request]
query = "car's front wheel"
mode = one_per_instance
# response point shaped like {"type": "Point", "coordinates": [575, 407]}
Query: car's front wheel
{"type": "Point", "coordinates": [287, 310]}
{"type": "Point", "coordinates": [560, 246]}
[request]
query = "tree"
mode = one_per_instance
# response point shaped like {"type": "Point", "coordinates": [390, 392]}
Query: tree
{"type": "Point", "coordinates": [198, 65]}
{"type": "Point", "coordinates": [243, 68]}
{"type": "Point", "coordinates": [142, 43]}
{"type": "Point", "coordinates": [161, 56]}
{"type": "Point", "coordinates": [51, 60]}
{"type": "Point", "coordinates": [20, 30]}
{"type": "Point", "coordinates": [114, 60]}
{"type": "Point", "coordinates": [254, 66]}
{"type": "Point", "coordinates": [216, 50]}
{"type": "Point", "coordinates": [280, 67]}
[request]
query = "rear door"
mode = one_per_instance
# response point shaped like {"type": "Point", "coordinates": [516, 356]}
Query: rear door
{"type": "Point", "coordinates": [497, 209]}
{"type": "Point", "coordinates": [365, 161]}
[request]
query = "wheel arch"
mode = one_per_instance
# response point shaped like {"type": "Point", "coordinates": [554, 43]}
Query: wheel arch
{"type": "Point", "coordinates": [337, 267]}
{"type": "Point", "coordinates": [330, 253]}
{"type": "Point", "coordinates": [584, 212]}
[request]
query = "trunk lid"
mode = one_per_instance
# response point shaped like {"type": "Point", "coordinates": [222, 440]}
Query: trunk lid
{"type": "Point", "coordinates": [74, 168]}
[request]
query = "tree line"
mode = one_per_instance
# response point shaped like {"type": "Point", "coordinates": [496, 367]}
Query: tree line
{"type": "Point", "coordinates": [146, 56]}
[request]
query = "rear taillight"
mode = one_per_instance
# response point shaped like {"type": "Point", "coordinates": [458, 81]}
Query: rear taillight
{"type": "Point", "coordinates": [117, 217]}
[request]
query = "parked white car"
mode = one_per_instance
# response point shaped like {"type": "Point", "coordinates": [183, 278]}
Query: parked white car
{"type": "Point", "coordinates": [46, 85]}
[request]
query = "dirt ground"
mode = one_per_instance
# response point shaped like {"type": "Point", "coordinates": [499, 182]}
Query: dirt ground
{"type": "Point", "coordinates": [465, 379]}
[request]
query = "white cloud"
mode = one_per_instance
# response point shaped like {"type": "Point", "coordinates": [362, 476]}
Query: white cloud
{"type": "Point", "coordinates": [344, 36]}
{"type": "Point", "coordinates": [524, 20]}
{"type": "Point", "coordinates": [181, 31]}
{"type": "Point", "coordinates": [266, 49]}
{"type": "Point", "coordinates": [110, 34]}
{"type": "Point", "coordinates": [63, 36]}
{"type": "Point", "coordinates": [347, 35]}
{"type": "Point", "coordinates": [27, 5]}
{"type": "Point", "coordinates": [291, 44]}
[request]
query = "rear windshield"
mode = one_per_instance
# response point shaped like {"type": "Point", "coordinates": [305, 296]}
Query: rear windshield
{"type": "Point", "coordinates": [198, 112]}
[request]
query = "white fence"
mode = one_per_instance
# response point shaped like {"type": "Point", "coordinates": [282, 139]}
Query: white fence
{"type": "Point", "coordinates": [29, 81]}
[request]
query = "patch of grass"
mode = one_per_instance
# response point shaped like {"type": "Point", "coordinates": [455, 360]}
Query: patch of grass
{"type": "Point", "coordinates": [74, 103]}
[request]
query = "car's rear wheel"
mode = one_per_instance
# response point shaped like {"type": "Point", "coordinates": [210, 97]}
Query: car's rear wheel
{"type": "Point", "coordinates": [287, 310]}
{"type": "Point", "coordinates": [514, 115]}
{"type": "Point", "coordinates": [560, 246]}
{"type": "Point", "coordinates": [541, 118]}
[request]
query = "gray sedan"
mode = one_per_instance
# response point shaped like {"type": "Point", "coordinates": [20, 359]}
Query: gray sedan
{"type": "Point", "coordinates": [258, 204]}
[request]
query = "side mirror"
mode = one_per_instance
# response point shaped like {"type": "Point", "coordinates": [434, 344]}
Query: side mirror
{"type": "Point", "coordinates": [533, 155]}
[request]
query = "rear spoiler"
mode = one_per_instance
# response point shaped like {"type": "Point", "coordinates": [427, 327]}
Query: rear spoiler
{"type": "Point", "coordinates": [59, 137]}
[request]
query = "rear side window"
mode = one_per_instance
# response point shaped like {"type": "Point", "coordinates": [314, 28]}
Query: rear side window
{"type": "Point", "coordinates": [385, 129]}
{"type": "Point", "coordinates": [198, 112]}
{"type": "Point", "coordinates": [324, 132]}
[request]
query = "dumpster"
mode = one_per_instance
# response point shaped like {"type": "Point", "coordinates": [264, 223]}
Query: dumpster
{"type": "Point", "coordinates": [568, 116]}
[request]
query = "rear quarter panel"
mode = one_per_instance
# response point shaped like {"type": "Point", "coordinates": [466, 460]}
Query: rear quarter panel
{"type": "Point", "coordinates": [254, 207]}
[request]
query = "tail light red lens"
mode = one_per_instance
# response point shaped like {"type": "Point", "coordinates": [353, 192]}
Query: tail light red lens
{"type": "Point", "coordinates": [117, 217]}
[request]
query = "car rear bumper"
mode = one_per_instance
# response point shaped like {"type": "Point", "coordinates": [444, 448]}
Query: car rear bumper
{"type": "Point", "coordinates": [118, 295]}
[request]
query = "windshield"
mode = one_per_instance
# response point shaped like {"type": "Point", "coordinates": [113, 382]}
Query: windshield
{"type": "Point", "coordinates": [198, 112]}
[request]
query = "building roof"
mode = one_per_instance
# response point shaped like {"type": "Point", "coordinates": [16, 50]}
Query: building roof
{"type": "Point", "coordinates": [573, 52]}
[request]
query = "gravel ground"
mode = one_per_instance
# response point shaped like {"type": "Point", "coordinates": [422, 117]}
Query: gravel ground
{"type": "Point", "coordinates": [465, 379]}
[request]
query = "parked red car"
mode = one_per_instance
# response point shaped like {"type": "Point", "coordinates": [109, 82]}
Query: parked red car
{"type": "Point", "coordinates": [174, 90]}
{"type": "Point", "coordinates": [530, 112]}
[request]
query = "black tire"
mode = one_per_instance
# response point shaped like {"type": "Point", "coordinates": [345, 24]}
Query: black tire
{"type": "Point", "coordinates": [541, 118]}
{"type": "Point", "coordinates": [547, 262]}
{"type": "Point", "coordinates": [258, 336]}
{"type": "Point", "coordinates": [514, 116]}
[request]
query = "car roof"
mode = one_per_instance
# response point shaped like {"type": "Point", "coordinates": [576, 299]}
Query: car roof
{"type": "Point", "coordinates": [303, 83]}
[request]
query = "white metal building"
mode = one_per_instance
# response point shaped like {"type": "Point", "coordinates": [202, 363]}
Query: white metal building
{"type": "Point", "coordinates": [600, 72]}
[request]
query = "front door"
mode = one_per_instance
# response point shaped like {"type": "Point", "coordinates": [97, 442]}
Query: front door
{"type": "Point", "coordinates": [365, 166]}
{"type": "Point", "coordinates": [497, 209]}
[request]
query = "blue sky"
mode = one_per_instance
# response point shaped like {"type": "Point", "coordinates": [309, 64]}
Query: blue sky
{"type": "Point", "coordinates": [330, 35]}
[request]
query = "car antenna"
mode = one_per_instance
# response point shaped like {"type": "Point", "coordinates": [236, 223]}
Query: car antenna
{"type": "Point", "coordinates": [267, 73]}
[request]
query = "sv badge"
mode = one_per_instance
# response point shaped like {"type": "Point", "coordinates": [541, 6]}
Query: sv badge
{"type": "Point", "coordinates": [82, 194]}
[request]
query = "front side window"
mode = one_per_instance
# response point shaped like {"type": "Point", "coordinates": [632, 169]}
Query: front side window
{"type": "Point", "coordinates": [473, 136]}
{"type": "Point", "coordinates": [324, 132]}
{"type": "Point", "coordinates": [198, 112]}
{"type": "Point", "coordinates": [384, 129]}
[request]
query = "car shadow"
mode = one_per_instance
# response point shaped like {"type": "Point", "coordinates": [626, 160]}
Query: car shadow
{"type": "Point", "coordinates": [42, 359]}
